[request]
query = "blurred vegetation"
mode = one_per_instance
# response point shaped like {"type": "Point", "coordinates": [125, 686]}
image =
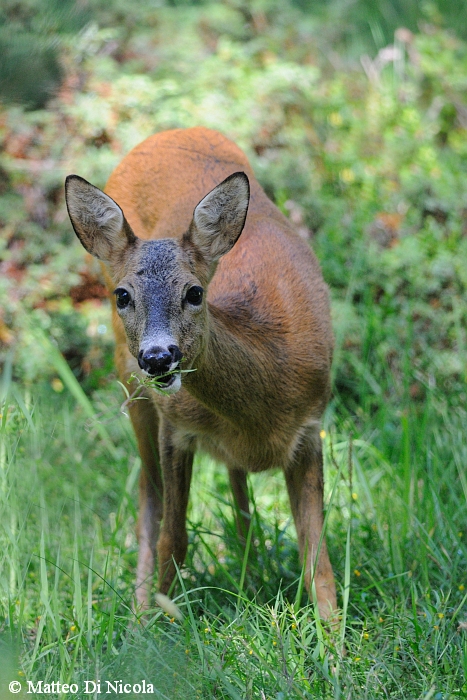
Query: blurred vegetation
{"type": "Point", "coordinates": [31, 35]}
{"type": "Point", "coordinates": [368, 158]}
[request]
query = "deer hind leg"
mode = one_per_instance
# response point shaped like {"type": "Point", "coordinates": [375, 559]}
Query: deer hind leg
{"type": "Point", "coordinates": [172, 546]}
{"type": "Point", "coordinates": [239, 486]}
{"type": "Point", "coordinates": [304, 479]}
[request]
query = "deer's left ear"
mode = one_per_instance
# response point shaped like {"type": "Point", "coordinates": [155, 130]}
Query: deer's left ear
{"type": "Point", "coordinates": [219, 218]}
{"type": "Point", "coordinates": [97, 220]}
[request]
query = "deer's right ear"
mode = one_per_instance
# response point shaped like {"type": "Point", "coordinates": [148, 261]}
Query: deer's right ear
{"type": "Point", "coordinates": [97, 220]}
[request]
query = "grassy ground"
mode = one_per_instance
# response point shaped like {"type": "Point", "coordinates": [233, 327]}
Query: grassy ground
{"type": "Point", "coordinates": [396, 493]}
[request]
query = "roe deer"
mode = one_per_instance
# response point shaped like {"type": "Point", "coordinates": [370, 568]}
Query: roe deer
{"type": "Point", "coordinates": [239, 298]}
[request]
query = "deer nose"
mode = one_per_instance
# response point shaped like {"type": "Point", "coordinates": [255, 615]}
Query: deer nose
{"type": "Point", "coordinates": [158, 361]}
{"type": "Point", "coordinates": [155, 361]}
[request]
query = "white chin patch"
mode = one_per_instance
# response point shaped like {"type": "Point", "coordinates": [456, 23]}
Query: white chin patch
{"type": "Point", "coordinates": [174, 386]}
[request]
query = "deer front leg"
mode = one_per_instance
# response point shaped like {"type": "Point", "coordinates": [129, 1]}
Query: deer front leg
{"type": "Point", "coordinates": [145, 423]}
{"type": "Point", "coordinates": [304, 478]}
{"type": "Point", "coordinates": [173, 540]}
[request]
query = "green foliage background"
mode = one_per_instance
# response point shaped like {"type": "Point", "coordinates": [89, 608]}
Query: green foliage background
{"type": "Point", "coordinates": [354, 116]}
{"type": "Point", "coordinates": [371, 165]}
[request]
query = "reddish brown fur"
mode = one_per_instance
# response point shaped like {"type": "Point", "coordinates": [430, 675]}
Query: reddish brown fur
{"type": "Point", "coordinates": [262, 379]}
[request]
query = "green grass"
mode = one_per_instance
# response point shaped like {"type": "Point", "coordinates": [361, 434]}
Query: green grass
{"type": "Point", "coordinates": [395, 529]}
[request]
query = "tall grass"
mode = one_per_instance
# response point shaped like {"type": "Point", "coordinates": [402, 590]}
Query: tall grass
{"type": "Point", "coordinates": [395, 530]}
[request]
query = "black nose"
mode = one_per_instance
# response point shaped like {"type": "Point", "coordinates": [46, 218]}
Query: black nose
{"type": "Point", "coordinates": [157, 361]}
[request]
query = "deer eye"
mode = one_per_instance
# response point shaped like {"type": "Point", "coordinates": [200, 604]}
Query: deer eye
{"type": "Point", "coordinates": [122, 297]}
{"type": "Point", "coordinates": [194, 295]}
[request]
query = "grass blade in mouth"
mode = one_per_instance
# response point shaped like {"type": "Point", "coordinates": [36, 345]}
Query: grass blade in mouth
{"type": "Point", "coordinates": [148, 383]}
{"type": "Point", "coordinates": [159, 382]}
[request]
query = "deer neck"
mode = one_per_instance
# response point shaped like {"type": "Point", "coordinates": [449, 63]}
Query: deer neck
{"type": "Point", "coordinates": [224, 358]}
